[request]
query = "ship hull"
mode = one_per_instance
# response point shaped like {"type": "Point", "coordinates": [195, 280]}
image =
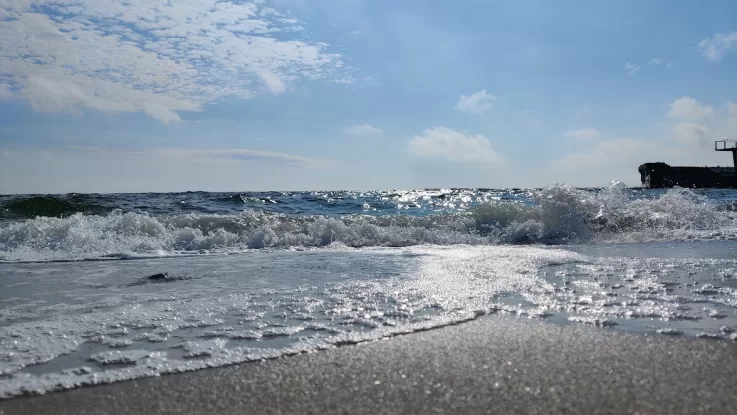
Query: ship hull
{"type": "Point", "coordinates": [662, 175]}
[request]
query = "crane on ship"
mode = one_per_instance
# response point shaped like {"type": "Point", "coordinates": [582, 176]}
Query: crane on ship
{"type": "Point", "coordinates": [728, 145]}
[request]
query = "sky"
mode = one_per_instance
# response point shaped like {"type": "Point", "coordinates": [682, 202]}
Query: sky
{"type": "Point", "coordinates": [149, 95]}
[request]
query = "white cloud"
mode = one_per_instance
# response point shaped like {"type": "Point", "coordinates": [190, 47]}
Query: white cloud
{"type": "Point", "coordinates": [692, 134]}
{"type": "Point", "coordinates": [60, 95]}
{"type": "Point", "coordinates": [5, 92]}
{"type": "Point", "coordinates": [273, 82]}
{"type": "Point", "coordinates": [631, 68]}
{"type": "Point", "coordinates": [478, 102]}
{"type": "Point", "coordinates": [161, 113]}
{"type": "Point", "coordinates": [715, 47]}
{"type": "Point", "coordinates": [583, 133]}
{"type": "Point", "coordinates": [687, 108]}
{"type": "Point", "coordinates": [152, 56]}
{"type": "Point", "coordinates": [655, 61]}
{"type": "Point", "coordinates": [363, 130]}
{"type": "Point", "coordinates": [671, 64]}
{"type": "Point", "coordinates": [699, 125]}
{"type": "Point", "coordinates": [448, 144]}
{"type": "Point", "coordinates": [610, 160]}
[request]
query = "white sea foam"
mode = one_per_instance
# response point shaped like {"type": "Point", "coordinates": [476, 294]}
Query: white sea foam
{"type": "Point", "coordinates": [320, 299]}
{"type": "Point", "coordinates": [208, 323]}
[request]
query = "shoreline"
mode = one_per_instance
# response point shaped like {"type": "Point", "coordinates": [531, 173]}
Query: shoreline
{"type": "Point", "coordinates": [493, 364]}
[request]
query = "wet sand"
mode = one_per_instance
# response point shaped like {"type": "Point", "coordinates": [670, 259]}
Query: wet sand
{"type": "Point", "coordinates": [491, 365]}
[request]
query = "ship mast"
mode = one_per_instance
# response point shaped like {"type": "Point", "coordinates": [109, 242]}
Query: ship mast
{"type": "Point", "coordinates": [728, 145]}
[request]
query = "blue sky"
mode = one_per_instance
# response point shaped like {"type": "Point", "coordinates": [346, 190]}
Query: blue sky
{"type": "Point", "coordinates": [141, 95]}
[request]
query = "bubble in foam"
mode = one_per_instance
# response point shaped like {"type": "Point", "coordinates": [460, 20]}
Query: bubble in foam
{"type": "Point", "coordinates": [124, 357]}
{"type": "Point", "coordinates": [207, 348]}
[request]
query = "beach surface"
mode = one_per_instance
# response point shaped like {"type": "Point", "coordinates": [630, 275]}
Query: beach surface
{"type": "Point", "coordinates": [494, 364]}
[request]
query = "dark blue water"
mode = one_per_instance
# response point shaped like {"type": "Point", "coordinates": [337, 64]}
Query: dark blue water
{"type": "Point", "coordinates": [335, 203]}
{"type": "Point", "coordinates": [331, 203]}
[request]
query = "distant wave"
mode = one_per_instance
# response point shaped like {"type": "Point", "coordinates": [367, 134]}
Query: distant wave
{"type": "Point", "coordinates": [54, 206]}
{"type": "Point", "coordinates": [559, 215]}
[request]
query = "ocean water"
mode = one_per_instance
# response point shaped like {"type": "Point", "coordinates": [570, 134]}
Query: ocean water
{"type": "Point", "coordinates": [101, 288]}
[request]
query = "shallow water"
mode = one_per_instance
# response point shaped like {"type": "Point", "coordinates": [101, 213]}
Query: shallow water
{"type": "Point", "coordinates": [656, 262]}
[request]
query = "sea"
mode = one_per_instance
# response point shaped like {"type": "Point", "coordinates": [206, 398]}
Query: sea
{"type": "Point", "coordinates": [99, 288]}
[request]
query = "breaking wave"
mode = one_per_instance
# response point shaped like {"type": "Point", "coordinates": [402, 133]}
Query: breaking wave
{"type": "Point", "coordinates": [558, 215]}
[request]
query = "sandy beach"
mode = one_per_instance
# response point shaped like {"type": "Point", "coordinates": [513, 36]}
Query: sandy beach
{"type": "Point", "coordinates": [491, 365]}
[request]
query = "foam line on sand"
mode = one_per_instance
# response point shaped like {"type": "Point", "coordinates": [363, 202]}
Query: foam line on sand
{"type": "Point", "coordinates": [490, 365]}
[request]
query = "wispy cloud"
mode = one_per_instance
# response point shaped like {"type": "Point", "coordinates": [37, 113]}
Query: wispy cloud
{"type": "Point", "coordinates": [5, 92]}
{"type": "Point", "coordinates": [240, 154]}
{"type": "Point", "coordinates": [715, 47]}
{"type": "Point", "coordinates": [692, 134]}
{"type": "Point", "coordinates": [667, 64]}
{"type": "Point", "coordinates": [631, 68]}
{"type": "Point", "coordinates": [273, 82]}
{"type": "Point", "coordinates": [659, 61]}
{"type": "Point", "coordinates": [698, 125]}
{"type": "Point", "coordinates": [479, 102]}
{"type": "Point", "coordinates": [363, 130]}
{"type": "Point", "coordinates": [583, 133]}
{"type": "Point", "coordinates": [222, 154]}
{"type": "Point", "coordinates": [446, 144]}
{"type": "Point", "coordinates": [156, 57]}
